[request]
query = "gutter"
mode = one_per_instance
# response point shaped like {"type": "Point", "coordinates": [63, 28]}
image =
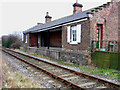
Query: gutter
{"type": "Point", "coordinates": [52, 27]}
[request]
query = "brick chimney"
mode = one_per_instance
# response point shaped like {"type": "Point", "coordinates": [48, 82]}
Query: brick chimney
{"type": "Point", "coordinates": [47, 17]}
{"type": "Point", "coordinates": [77, 7]}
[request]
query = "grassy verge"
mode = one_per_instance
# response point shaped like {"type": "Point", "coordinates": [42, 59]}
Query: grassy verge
{"type": "Point", "coordinates": [12, 78]}
{"type": "Point", "coordinates": [109, 73]}
{"type": "Point", "coordinates": [17, 80]}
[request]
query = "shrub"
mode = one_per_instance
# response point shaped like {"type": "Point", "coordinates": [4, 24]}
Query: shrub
{"type": "Point", "coordinates": [11, 41]}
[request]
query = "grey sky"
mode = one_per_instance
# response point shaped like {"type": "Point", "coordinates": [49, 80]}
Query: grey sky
{"type": "Point", "coordinates": [20, 15]}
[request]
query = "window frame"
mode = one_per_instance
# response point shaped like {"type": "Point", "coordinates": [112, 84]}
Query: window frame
{"type": "Point", "coordinates": [71, 34]}
{"type": "Point", "coordinates": [78, 28]}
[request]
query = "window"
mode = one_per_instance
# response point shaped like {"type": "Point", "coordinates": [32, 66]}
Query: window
{"type": "Point", "coordinates": [74, 34]}
{"type": "Point", "coordinates": [26, 38]}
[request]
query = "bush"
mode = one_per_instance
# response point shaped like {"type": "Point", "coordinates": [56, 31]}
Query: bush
{"type": "Point", "coordinates": [11, 41]}
{"type": "Point", "coordinates": [16, 45]}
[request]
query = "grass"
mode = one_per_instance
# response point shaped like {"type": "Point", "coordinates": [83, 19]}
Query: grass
{"type": "Point", "coordinates": [14, 79]}
{"type": "Point", "coordinates": [17, 80]}
{"type": "Point", "coordinates": [66, 63]}
{"type": "Point", "coordinates": [110, 73]}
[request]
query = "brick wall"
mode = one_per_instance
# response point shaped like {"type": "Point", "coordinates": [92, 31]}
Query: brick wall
{"type": "Point", "coordinates": [69, 57]}
{"type": "Point", "coordinates": [77, 9]}
{"type": "Point", "coordinates": [56, 38]}
{"type": "Point", "coordinates": [108, 16]}
{"type": "Point", "coordinates": [119, 26]}
{"type": "Point", "coordinates": [33, 40]}
{"type": "Point", "coordinates": [85, 38]}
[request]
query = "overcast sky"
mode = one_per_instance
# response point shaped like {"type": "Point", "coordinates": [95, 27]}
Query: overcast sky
{"type": "Point", "coordinates": [20, 15]}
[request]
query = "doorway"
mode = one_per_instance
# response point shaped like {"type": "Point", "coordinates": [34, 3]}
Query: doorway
{"type": "Point", "coordinates": [99, 44]}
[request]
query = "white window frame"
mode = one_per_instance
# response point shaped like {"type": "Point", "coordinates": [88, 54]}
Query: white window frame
{"type": "Point", "coordinates": [70, 35]}
{"type": "Point", "coordinates": [79, 29]}
{"type": "Point", "coordinates": [73, 28]}
{"type": "Point", "coordinates": [25, 38]}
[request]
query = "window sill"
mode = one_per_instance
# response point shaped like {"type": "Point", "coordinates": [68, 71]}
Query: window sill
{"type": "Point", "coordinates": [73, 43]}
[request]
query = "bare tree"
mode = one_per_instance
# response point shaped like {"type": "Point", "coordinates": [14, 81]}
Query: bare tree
{"type": "Point", "coordinates": [12, 40]}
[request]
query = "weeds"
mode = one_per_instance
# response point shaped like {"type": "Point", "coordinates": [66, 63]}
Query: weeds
{"type": "Point", "coordinates": [15, 79]}
{"type": "Point", "coordinates": [110, 73]}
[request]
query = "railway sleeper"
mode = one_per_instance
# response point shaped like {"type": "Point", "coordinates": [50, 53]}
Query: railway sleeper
{"type": "Point", "coordinates": [78, 73]}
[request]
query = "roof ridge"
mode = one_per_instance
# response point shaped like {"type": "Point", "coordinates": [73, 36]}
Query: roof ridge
{"type": "Point", "coordinates": [70, 18]}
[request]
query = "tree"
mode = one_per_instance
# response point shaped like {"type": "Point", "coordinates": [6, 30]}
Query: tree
{"type": "Point", "coordinates": [12, 41]}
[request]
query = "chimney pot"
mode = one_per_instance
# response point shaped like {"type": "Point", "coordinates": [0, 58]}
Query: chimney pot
{"type": "Point", "coordinates": [77, 7]}
{"type": "Point", "coordinates": [47, 17]}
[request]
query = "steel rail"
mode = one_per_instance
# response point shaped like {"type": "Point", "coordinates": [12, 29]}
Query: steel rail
{"type": "Point", "coordinates": [49, 73]}
{"type": "Point", "coordinates": [108, 83]}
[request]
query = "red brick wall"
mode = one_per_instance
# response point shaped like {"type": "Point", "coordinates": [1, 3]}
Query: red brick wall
{"type": "Point", "coordinates": [119, 21]}
{"type": "Point", "coordinates": [85, 38]}
{"type": "Point", "coordinates": [119, 25]}
{"type": "Point", "coordinates": [33, 40]}
{"type": "Point", "coordinates": [108, 16]}
{"type": "Point", "coordinates": [77, 9]}
{"type": "Point", "coordinates": [47, 19]}
{"type": "Point", "coordinates": [56, 38]}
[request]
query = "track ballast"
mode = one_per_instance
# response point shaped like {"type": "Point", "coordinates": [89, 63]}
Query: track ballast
{"type": "Point", "coordinates": [69, 77]}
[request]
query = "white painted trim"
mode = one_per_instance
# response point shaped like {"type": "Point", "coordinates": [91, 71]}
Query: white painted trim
{"type": "Point", "coordinates": [68, 34]}
{"type": "Point", "coordinates": [26, 38]}
{"type": "Point", "coordinates": [75, 21]}
{"type": "Point", "coordinates": [73, 42]}
{"type": "Point", "coordinates": [79, 33]}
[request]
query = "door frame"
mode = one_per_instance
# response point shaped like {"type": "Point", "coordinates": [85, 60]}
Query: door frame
{"type": "Point", "coordinates": [99, 43]}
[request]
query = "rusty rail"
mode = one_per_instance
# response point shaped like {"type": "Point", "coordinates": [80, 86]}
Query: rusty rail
{"type": "Point", "coordinates": [51, 74]}
{"type": "Point", "coordinates": [73, 71]}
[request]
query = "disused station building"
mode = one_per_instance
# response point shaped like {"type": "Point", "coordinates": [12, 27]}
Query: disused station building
{"type": "Point", "coordinates": [73, 37]}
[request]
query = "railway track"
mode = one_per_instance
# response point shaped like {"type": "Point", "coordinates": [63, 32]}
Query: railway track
{"type": "Point", "coordinates": [67, 76]}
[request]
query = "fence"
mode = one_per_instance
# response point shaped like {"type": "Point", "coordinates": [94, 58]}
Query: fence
{"type": "Point", "coordinates": [108, 46]}
{"type": "Point", "coordinates": [106, 59]}
{"type": "Point", "coordinates": [106, 54]}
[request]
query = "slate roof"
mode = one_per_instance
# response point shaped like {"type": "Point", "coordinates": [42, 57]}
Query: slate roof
{"type": "Point", "coordinates": [61, 21]}
{"type": "Point", "coordinates": [58, 22]}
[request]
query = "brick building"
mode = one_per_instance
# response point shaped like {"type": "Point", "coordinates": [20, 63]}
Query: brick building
{"type": "Point", "coordinates": [93, 29]}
